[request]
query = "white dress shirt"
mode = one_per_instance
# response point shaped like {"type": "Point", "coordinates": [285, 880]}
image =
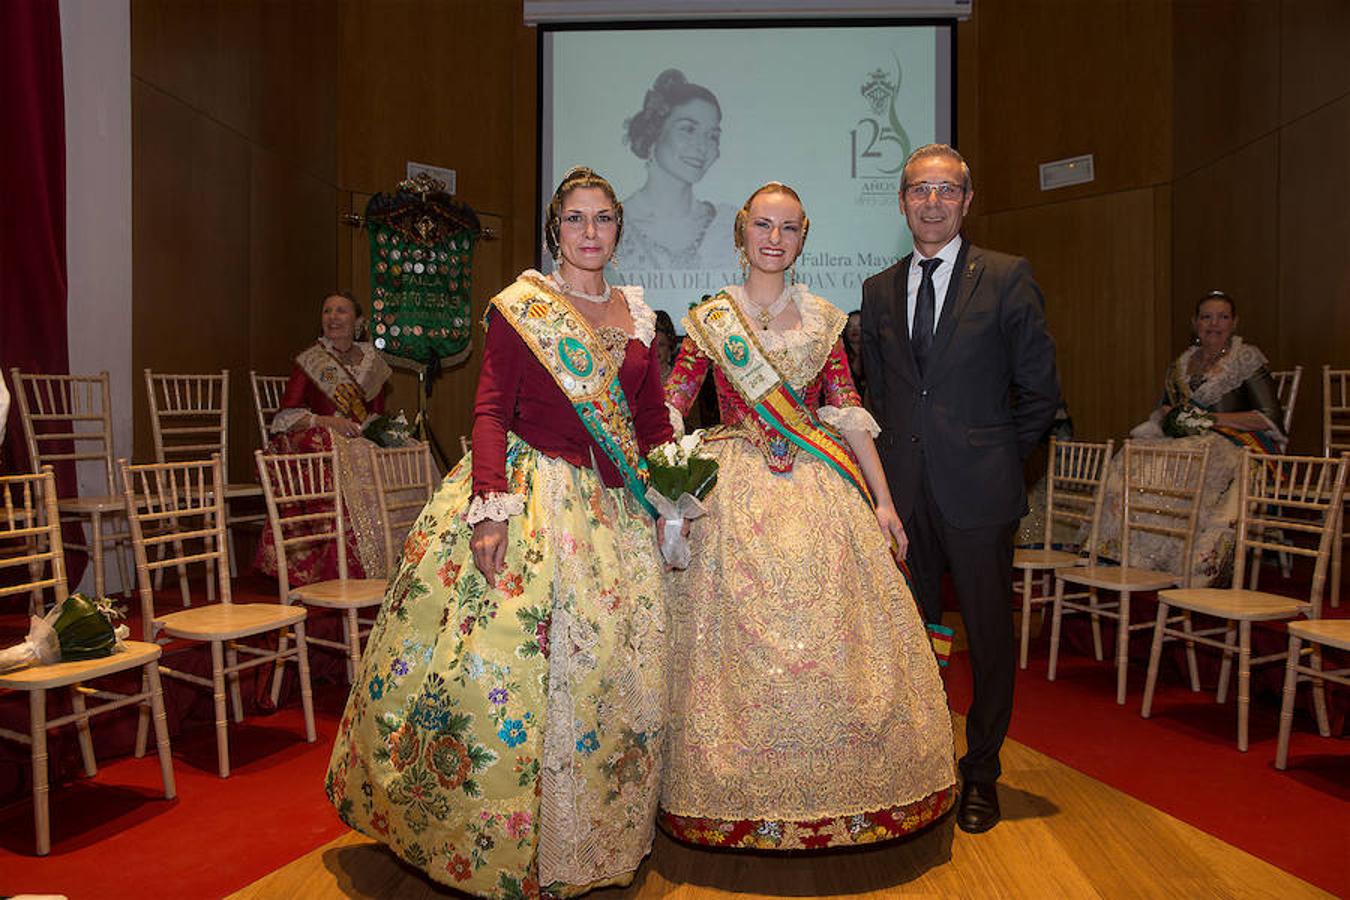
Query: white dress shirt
{"type": "Point", "coordinates": [942, 276]}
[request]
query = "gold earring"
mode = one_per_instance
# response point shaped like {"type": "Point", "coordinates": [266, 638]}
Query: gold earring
{"type": "Point", "coordinates": [792, 274]}
{"type": "Point", "coordinates": [744, 262]}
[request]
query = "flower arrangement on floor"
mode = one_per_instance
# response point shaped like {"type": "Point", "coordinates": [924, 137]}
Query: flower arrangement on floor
{"type": "Point", "coordinates": [679, 480]}
{"type": "Point", "coordinates": [79, 628]}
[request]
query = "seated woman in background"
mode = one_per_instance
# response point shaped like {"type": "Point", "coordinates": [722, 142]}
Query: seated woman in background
{"type": "Point", "coordinates": [1218, 392]}
{"type": "Point", "coordinates": [336, 388]}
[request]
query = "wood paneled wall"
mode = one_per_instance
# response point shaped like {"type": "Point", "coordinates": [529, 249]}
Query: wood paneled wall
{"type": "Point", "coordinates": [235, 200]}
{"type": "Point", "coordinates": [1043, 80]}
{"type": "Point", "coordinates": [451, 84]}
{"type": "Point", "coordinates": [1262, 202]}
{"type": "Point", "coordinates": [1221, 133]}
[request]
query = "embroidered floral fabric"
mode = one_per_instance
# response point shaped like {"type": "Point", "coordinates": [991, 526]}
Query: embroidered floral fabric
{"type": "Point", "coordinates": [809, 711]}
{"type": "Point", "coordinates": [505, 736]}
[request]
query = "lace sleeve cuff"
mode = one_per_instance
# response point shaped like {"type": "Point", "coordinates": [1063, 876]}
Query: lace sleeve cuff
{"type": "Point", "coordinates": [286, 419]}
{"type": "Point", "coordinates": [497, 507]}
{"type": "Point", "coordinates": [676, 422]}
{"type": "Point", "coordinates": [849, 418]}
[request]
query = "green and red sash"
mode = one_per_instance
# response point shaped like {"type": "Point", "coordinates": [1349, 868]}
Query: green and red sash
{"type": "Point", "coordinates": [573, 354]}
{"type": "Point", "coordinates": [1259, 441]}
{"type": "Point", "coordinates": [728, 340]}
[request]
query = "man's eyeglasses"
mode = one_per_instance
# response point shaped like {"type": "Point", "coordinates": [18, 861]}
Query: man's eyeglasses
{"type": "Point", "coordinates": [946, 191]}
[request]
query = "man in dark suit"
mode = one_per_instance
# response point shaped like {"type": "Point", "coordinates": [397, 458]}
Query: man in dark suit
{"type": "Point", "coordinates": [962, 379]}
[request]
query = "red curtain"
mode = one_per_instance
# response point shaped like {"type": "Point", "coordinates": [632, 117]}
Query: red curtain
{"type": "Point", "coordinates": [33, 223]}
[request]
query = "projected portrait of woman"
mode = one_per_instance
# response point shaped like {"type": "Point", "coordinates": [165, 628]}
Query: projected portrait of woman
{"type": "Point", "coordinates": [678, 132]}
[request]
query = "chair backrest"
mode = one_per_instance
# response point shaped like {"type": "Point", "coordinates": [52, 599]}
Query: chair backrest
{"type": "Point", "coordinates": [1074, 487]}
{"type": "Point", "coordinates": [178, 509]}
{"type": "Point", "coordinates": [405, 479]}
{"type": "Point", "coordinates": [1335, 411]}
{"type": "Point", "coordinates": [66, 417]}
{"type": "Point", "coordinates": [1286, 391]}
{"type": "Point", "coordinates": [30, 535]}
{"type": "Point", "coordinates": [1161, 495]}
{"type": "Point", "coordinates": [303, 492]}
{"type": "Point", "coordinates": [189, 416]}
{"type": "Point", "coordinates": [1289, 504]}
{"type": "Point", "coordinates": [267, 393]}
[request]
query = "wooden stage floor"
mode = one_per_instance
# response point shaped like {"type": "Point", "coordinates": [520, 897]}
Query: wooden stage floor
{"type": "Point", "coordinates": [1063, 835]}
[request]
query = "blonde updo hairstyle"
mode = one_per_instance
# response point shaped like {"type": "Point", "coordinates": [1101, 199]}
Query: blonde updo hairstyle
{"type": "Point", "coordinates": [578, 177]}
{"type": "Point", "coordinates": [743, 214]}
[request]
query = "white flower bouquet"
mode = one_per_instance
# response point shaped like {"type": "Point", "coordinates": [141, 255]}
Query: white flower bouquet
{"type": "Point", "coordinates": [1185, 420]}
{"type": "Point", "coordinates": [76, 629]}
{"type": "Point", "coordinates": [389, 431]}
{"type": "Point", "coordinates": [679, 479]}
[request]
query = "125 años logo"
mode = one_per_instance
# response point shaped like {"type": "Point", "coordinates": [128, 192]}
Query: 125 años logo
{"type": "Point", "coordinates": [879, 145]}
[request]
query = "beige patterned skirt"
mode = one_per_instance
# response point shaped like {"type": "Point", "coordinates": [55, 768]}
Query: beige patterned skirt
{"type": "Point", "coordinates": [806, 707]}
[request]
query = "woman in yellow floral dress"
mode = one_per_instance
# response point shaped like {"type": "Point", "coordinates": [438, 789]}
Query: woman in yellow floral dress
{"type": "Point", "coordinates": [808, 712]}
{"type": "Point", "coordinates": [505, 730]}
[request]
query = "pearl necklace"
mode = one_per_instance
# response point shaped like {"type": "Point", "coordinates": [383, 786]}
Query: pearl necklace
{"type": "Point", "coordinates": [766, 314]}
{"type": "Point", "coordinates": [566, 288]}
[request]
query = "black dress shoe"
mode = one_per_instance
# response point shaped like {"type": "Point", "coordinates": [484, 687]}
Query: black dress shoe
{"type": "Point", "coordinates": [979, 807]}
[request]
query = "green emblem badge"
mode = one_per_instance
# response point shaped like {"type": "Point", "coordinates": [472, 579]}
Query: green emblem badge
{"type": "Point", "coordinates": [575, 357]}
{"type": "Point", "coordinates": [736, 350]}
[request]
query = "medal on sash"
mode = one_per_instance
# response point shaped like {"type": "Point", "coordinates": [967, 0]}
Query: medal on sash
{"type": "Point", "coordinates": [573, 354]}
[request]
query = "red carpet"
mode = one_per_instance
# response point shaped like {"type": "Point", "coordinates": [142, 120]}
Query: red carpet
{"type": "Point", "coordinates": [116, 836]}
{"type": "Point", "coordinates": [1184, 760]}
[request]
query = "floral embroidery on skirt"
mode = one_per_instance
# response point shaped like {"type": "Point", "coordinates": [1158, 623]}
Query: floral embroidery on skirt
{"type": "Point", "coordinates": [506, 737]}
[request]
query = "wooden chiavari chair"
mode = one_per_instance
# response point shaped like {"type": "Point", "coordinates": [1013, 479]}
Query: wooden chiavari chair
{"type": "Point", "coordinates": [1287, 382]}
{"type": "Point", "coordinates": [69, 418]}
{"type": "Point", "coordinates": [1160, 495]}
{"type": "Point", "coordinates": [304, 507]}
{"type": "Point", "coordinates": [1335, 441]}
{"type": "Point", "coordinates": [405, 479]}
{"type": "Point", "coordinates": [30, 537]}
{"type": "Point", "coordinates": [1073, 494]}
{"type": "Point", "coordinates": [1318, 633]}
{"type": "Point", "coordinates": [181, 506]}
{"type": "Point", "coordinates": [267, 393]}
{"type": "Point", "coordinates": [190, 420]}
{"type": "Point", "coordinates": [1299, 496]}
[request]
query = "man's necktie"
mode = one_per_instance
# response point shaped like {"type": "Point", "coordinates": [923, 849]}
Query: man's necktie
{"type": "Point", "coordinates": [921, 339]}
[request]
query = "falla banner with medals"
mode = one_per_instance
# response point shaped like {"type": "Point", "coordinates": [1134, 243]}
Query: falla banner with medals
{"type": "Point", "coordinates": [421, 263]}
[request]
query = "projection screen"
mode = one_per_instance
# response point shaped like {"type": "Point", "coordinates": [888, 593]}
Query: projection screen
{"type": "Point", "coordinates": [831, 109]}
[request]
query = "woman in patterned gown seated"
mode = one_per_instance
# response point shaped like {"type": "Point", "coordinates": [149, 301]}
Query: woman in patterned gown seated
{"type": "Point", "coordinates": [504, 733]}
{"type": "Point", "coordinates": [808, 711]}
{"type": "Point", "coordinates": [1228, 382]}
{"type": "Point", "coordinates": [336, 388]}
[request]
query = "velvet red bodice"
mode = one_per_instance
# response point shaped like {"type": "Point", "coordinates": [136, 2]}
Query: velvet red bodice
{"type": "Point", "coordinates": [517, 394]}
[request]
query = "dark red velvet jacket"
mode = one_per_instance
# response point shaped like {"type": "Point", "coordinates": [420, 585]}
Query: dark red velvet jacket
{"type": "Point", "coordinates": [517, 394]}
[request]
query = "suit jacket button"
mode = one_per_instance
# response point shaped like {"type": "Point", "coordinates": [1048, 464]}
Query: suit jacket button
{"type": "Point", "coordinates": [923, 393]}
{"type": "Point", "coordinates": [913, 438]}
